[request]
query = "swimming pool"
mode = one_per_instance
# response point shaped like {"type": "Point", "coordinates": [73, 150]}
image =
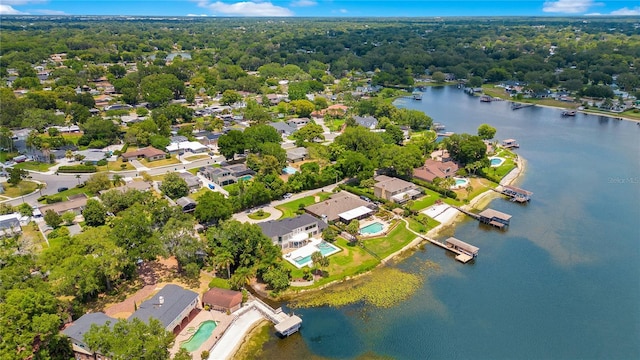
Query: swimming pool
{"type": "Point", "coordinates": [374, 228]}
{"type": "Point", "coordinates": [325, 249]}
{"type": "Point", "coordinates": [460, 183]}
{"type": "Point", "coordinates": [245, 178]}
{"type": "Point", "coordinates": [289, 170]}
{"type": "Point", "coordinates": [204, 332]}
{"type": "Point", "coordinates": [496, 161]}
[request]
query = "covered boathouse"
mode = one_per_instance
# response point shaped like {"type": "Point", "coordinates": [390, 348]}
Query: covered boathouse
{"type": "Point", "coordinates": [289, 325]}
{"type": "Point", "coordinates": [494, 218]}
{"type": "Point", "coordinates": [516, 194]}
{"type": "Point", "coordinates": [465, 251]}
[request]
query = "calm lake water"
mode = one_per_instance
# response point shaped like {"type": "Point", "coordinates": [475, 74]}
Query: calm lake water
{"type": "Point", "coordinates": [563, 282]}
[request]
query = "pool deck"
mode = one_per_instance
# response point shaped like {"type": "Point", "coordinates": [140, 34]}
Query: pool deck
{"type": "Point", "coordinates": [221, 318]}
{"type": "Point", "coordinates": [373, 220]}
{"type": "Point", "coordinates": [306, 250]}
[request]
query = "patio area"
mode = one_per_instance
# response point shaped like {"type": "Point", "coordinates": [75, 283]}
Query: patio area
{"type": "Point", "coordinates": [301, 257]}
{"type": "Point", "coordinates": [223, 321]}
{"type": "Point", "coordinates": [376, 230]}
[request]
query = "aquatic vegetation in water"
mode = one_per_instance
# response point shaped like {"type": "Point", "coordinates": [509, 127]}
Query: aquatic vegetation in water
{"type": "Point", "coordinates": [384, 288]}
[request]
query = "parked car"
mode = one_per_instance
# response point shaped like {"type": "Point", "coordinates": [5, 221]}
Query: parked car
{"type": "Point", "coordinates": [211, 186]}
{"type": "Point", "coordinates": [365, 198]}
{"type": "Point", "coordinates": [287, 196]}
{"type": "Point", "coordinates": [64, 188]}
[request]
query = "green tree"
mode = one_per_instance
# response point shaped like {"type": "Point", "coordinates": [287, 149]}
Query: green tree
{"type": "Point", "coordinates": [212, 207]}
{"type": "Point", "coordinates": [52, 218]}
{"type": "Point", "coordinates": [98, 182]}
{"type": "Point", "coordinates": [25, 209]}
{"type": "Point", "coordinates": [230, 97]}
{"type": "Point", "coordinates": [68, 217]}
{"type": "Point", "coordinates": [438, 77]}
{"type": "Point", "coordinates": [329, 234]}
{"type": "Point", "coordinates": [231, 143]}
{"type": "Point", "coordinates": [131, 340]}
{"type": "Point", "coordinates": [174, 186]}
{"type": "Point", "coordinates": [183, 354]}
{"type": "Point", "coordinates": [133, 230]}
{"type": "Point", "coordinates": [277, 277]}
{"type": "Point", "coordinates": [465, 148]}
{"type": "Point", "coordinates": [16, 175]}
{"type": "Point", "coordinates": [309, 132]}
{"type": "Point", "coordinates": [257, 135]}
{"type": "Point", "coordinates": [486, 131]}
{"type": "Point", "coordinates": [94, 213]}
{"type": "Point", "coordinates": [303, 108]}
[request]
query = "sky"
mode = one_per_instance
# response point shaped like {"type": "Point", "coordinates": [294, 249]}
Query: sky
{"type": "Point", "coordinates": [322, 8]}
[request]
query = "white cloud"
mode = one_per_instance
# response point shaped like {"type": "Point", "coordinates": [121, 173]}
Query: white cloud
{"type": "Point", "coordinates": [301, 3]}
{"type": "Point", "coordinates": [9, 10]}
{"type": "Point", "coordinates": [343, 11]}
{"type": "Point", "coordinates": [23, 2]}
{"type": "Point", "coordinates": [627, 11]}
{"type": "Point", "coordinates": [49, 12]}
{"type": "Point", "coordinates": [196, 15]}
{"type": "Point", "coordinates": [246, 8]}
{"type": "Point", "coordinates": [568, 6]}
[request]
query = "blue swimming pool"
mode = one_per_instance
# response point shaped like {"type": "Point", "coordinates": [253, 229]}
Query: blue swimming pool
{"type": "Point", "coordinates": [325, 249]}
{"type": "Point", "coordinates": [202, 334]}
{"type": "Point", "coordinates": [496, 161]}
{"type": "Point", "coordinates": [289, 170]}
{"type": "Point", "coordinates": [460, 182]}
{"type": "Point", "coordinates": [245, 178]}
{"type": "Point", "coordinates": [374, 228]}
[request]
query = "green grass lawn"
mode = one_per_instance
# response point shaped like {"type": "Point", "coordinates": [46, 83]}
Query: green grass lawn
{"type": "Point", "coordinates": [74, 191]}
{"type": "Point", "coordinates": [117, 166]}
{"type": "Point", "coordinates": [159, 163]}
{"type": "Point", "coordinates": [33, 165]}
{"type": "Point", "coordinates": [352, 260]}
{"type": "Point", "coordinates": [335, 124]}
{"type": "Point", "coordinates": [430, 197]}
{"type": "Point", "coordinates": [5, 156]}
{"type": "Point", "coordinates": [25, 187]}
{"type": "Point", "coordinates": [259, 215]}
{"type": "Point", "coordinates": [289, 209]}
{"type": "Point", "coordinates": [196, 195]}
{"type": "Point", "coordinates": [395, 240]}
{"type": "Point", "coordinates": [197, 157]}
{"type": "Point", "coordinates": [421, 223]}
{"type": "Point", "coordinates": [194, 171]}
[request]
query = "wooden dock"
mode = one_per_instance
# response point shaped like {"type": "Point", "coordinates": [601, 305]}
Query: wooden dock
{"type": "Point", "coordinates": [285, 324]}
{"type": "Point", "coordinates": [517, 106]}
{"type": "Point", "coordinates": [460, 255]}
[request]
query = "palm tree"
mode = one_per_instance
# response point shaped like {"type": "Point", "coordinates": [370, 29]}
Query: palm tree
{"type": "Point", "coordinates": [78, 177]}
{"type": "Point", "coordinates": [68, 154]}
{"type": "Point", "coordinates": [225, 258]}
{"type": "Point", "coordinates": [117, 180]}
{"type": "Point", "coordinates": [468, 189]}
{"type": "Point", "coordinates": [316, 258]}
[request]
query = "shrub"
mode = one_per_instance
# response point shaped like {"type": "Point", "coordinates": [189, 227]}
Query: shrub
{"type": "Point", "coordinates": [77, 169]}
{"type": "Point", "coordinates": [192, 270]}
{"type": "Point", "coordinates": [102, 162]}
{"type": "Point", "coordinates": [204, 354]}
{"type": "Point", "coordinates": [52, 199]}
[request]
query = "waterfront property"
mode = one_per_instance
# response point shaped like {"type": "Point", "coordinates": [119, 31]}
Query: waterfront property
{"type": "Point", "coordinates": [293, 232]}
{"type": "Point", "coordinates": [372, 229]}
{"type": "Point", "coordinates": [342, 206]}
{"type": "Point", "coordinates": [205, 329]}
{"type": "Point", "coordinates": [394, 189]}
{"type": "Point", "coordinates": [466, 251]}
{"type": "Point", "coordinates": [222, 299]}
{"type": "Point", "coordinates": [289, 326]}
{"type": "Point", "coordinates": [172, 305]}
{"type": "Point", "coordinates": [435, 169]}
{"type": "Point", "coordinates": [496, 161]}
{"type": "Point", "coordinates": [302, 257]}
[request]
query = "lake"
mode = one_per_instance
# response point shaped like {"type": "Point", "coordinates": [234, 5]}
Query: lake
{"type": "Point", "coordinates": [563, 282]}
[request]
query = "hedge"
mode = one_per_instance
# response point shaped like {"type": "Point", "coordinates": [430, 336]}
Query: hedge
{"type": "Point", "coordinates": [77, 169]}
{"type": "Point", "coordinates": [446, 192]}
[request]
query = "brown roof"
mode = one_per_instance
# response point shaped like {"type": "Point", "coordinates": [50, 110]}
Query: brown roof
{"type": "Point", "coordinates": [146, 152]}
{"type": "Point", "coordinates": [392, 184]}
{"type": "Point", "coordinates": [435, 169]}
{"type": "Point", "coordinates": [222, 297]}
{"type": "Point", "coordinates": [336, 205]}
{"type": "Point", "coordinates": [65, 206]}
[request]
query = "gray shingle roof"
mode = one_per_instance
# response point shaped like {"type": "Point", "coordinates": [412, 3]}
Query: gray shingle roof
{"type": "Point", "coordinates": [282, 227]}
{"type": "Point", "coordinates": [81, 326]}
{"type": "Point", "coordinates": [176, 299]}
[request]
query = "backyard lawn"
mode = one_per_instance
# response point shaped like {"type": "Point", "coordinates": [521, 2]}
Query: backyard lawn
{"type": "Point", "coordinates": [352, 260]}
{"type": "Point", "coordinates": [430, 197]}
{"type": "Point", "coordinates": [197, 157]}
{"type": "Point", "coordinates": [395, 240]}
{"type": "Point", "coordinates": [116, 166]}
{"type": "Point", "coordinates": [74, 191]}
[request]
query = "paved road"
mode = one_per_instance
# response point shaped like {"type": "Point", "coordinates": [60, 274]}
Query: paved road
{"type": "Point", "coordinates": [54, 181]}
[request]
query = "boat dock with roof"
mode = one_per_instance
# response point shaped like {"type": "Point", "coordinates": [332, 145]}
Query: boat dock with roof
{"type": "Point", "coordinates": [464, 250]}
{"type": "Point", "coordinates": [516, 194]}
{"type": "Point", "coordinates": [489, 216]}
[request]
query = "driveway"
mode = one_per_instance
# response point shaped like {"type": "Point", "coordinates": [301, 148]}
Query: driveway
{"type": "Point", "coordinates": [244, 216]}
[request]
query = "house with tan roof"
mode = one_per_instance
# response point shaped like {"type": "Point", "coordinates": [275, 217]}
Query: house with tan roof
{"type": "Point", "coordinates": [342, 206]}
{"type": "Point", "coordinates": [149, 153]}
{"type": "Point", "coordinates": [76, 205]}
{"type": "Point", "coordinates": [394, 189]}
{"type": "Point", "coordinates": [435, 169]}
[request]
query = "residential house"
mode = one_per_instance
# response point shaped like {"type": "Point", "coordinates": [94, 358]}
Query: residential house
{"type": "Point", "coordinates": [184, 146]}
{"type": "Point", "coordinates": [10, 225]}
{"type": "Point", "coordinates": [172, 305]}
{"type": "Point", "coordinates": [92, 155]}
{"type": "Point", "coordinates": [283, 128]}
{"type": "Point", "coordinates": [298, 122]}
{"type": "Point", "coordinates": [297, 154]}
{"type": "Point", "coordinates": [342, 206]}
{"type": "Point", "coordinates": [76, 331]}
{"type": "Point", "coordinates": [227, 174]}
{"type": "Point", "coordinates": [367, 121]}
{"type": "Point", "coordinates": [75, 204]}
{"type": "Point", "coordinates": [186, 204]}
{"type": "Point", "coordinates": [193, 182]}
{"type": "Point", "coordinates": [292, 232]}
{"type": "Point", "coordinates": [118, 107]}
{"type": "Point", "coordinates": [435, 169]}
{"type": "Point", "coordinates": [222, 299]}
{"type": "Point", "coordinates": [149, 153]}
{"type": "Point", "coordinates": [394, 189]}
